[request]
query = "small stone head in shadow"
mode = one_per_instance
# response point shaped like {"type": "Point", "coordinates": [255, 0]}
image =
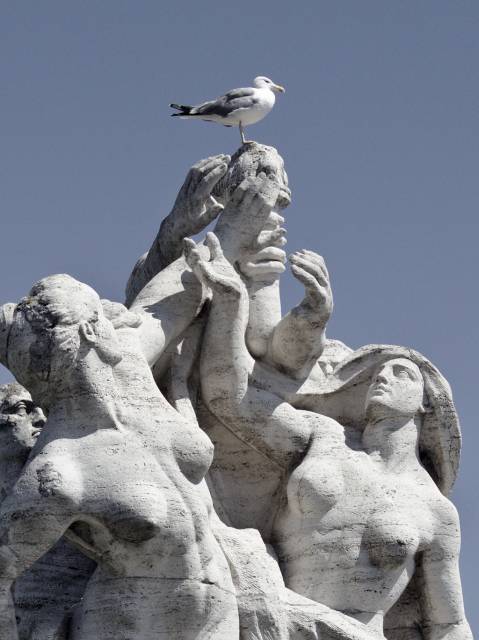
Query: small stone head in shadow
{"type": "Point", "coordinates": [20, 421]}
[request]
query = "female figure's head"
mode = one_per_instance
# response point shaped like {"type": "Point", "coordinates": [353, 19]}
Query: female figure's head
{"type": "Point", "coordinates": [51, 331]}
{"type": "Point", "coordinates": [378, 382]}
{"type": "Point", "coordinates": [396, 391]}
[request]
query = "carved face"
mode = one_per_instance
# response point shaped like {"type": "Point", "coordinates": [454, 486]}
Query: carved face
{"type": "Point", "coordinates": [20, 422]}
{"type": "Point", "coordinates": [397, 389]}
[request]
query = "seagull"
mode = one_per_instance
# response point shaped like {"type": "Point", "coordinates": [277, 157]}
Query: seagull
{"type": "Point", "coordinates": [240, 107]}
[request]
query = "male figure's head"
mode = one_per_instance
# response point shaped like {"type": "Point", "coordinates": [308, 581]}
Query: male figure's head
{"type": "Point", "coordinates": [20, 424]}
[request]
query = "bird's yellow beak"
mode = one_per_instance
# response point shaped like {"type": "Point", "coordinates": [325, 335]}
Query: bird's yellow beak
{"type": "Point", "coordinates": [277, 88]}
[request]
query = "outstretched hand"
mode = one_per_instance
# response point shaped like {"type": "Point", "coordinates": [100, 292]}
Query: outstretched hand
{"type": "Point", "coordinates": [266, 257]}
{"type": "Point", "coordinates": [195, 207]}
{"type": "Point", "coordinates": [217, 274]}
{"type": "Point", "coordinates": [245, 214]}
{"type": "Point", "coordinates": [310, 269]}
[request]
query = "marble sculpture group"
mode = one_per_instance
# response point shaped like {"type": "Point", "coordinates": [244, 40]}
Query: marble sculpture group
{"type": "Point", "coordinates": [194, 465]}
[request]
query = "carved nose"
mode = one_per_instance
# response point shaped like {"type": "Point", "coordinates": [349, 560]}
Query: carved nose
{"type": "Point", "coordinates": [38, 419]}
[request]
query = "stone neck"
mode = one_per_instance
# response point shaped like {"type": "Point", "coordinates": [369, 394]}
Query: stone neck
{"type": "Point", "coordinates": [395, 440]}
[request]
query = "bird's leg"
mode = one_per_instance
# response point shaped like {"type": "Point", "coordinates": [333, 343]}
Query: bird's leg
{"type": "Point", "coordinates": [242, 133]}
{"type": "Point", "coordinates": [243, 139]}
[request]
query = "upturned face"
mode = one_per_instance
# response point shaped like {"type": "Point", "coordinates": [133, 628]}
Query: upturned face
{"type": "Point", "coordinates": [20, 422]}
{"type": "Point", "coordinates": [397, 389]}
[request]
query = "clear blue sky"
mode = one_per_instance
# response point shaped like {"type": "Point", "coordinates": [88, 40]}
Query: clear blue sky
{"type": "Point", "coordinates": [378, 128]}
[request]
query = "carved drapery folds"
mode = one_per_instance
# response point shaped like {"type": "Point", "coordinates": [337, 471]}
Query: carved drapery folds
{"type": "Point", "coordinates": [210, 468]}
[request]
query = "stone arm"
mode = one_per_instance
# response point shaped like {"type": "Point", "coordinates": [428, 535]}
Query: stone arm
{"type": "Point", "coordinates": [442, 593]}
{"type": "Point", "coordinates": [193, 210]}
{"type": "Point", "coordinates": [30, 525]}
{"type": "Point", "coordinates": [167, 305]}
{"type": "Point", "coordinates": [300, 337]}
{"type": "Point", "coordinates": [172, 299]}
{"type": "Point", "coordinates": [255, 415]}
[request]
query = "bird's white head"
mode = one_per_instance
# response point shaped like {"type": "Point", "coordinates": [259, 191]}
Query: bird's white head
{"type": "Point", "coordinates": [262, 82]}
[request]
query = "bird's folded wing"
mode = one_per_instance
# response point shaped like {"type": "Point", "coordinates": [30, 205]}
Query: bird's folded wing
{"type": "Point", "coordinates": [238, 93]}
{"type": "Point", "coordinates": [224, 105]}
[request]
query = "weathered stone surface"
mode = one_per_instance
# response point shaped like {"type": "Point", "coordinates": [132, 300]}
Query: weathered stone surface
{"type": "Point", "coordinates": [114, 456]}
{"type": "Point", "coordinates": [211, 468]}
{"type": "Point", "coordinates": [359, 512]}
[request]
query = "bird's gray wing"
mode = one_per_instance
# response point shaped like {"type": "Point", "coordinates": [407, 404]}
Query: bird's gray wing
{"type": "Point", "coordinates": [224, 105]}
{"type": "Point", "coordinates": [238, 93]}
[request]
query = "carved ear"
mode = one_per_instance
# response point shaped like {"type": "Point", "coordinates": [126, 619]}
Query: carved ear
{"type": "Point", "coordinates": [88, 332]}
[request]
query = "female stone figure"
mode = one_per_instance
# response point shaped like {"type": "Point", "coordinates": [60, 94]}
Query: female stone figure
{"type": "Point", "coordinates": [123, 475]}
{"type": "Point", "coordinates": [116, 465]}
{"type": "Point", "coordinates": [360, 514]}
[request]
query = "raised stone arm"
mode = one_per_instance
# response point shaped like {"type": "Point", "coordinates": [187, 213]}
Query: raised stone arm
{"type": "Point", "coordinates": [167, 305]}
{"type": "Point", "coordinates": [172, 298]}
{"type": "Point", "coordinates": [299, 338]}
{"type": "Point", "coordinates": [256, 416]}
{"type": "Point", "coordinates": [193, 210]}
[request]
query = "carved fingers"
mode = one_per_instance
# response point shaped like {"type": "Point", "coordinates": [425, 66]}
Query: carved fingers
{"type": "Point", "coordinates": [246, 214]}
{"type": "Point", "coordinates": [266, 262]}
{"type": "Point", "coordinates": [273, 238]}
{"type": "Point", "coordinates": [310, 269]}
{"type": "Point", "coordinates": [253, 200]}
{"type": "Point", "coordinates": [206, 173]}
{"type": "Point", "coordinates": [216, 273]}
{"type": "Point", "coordinates": [195, 202]}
